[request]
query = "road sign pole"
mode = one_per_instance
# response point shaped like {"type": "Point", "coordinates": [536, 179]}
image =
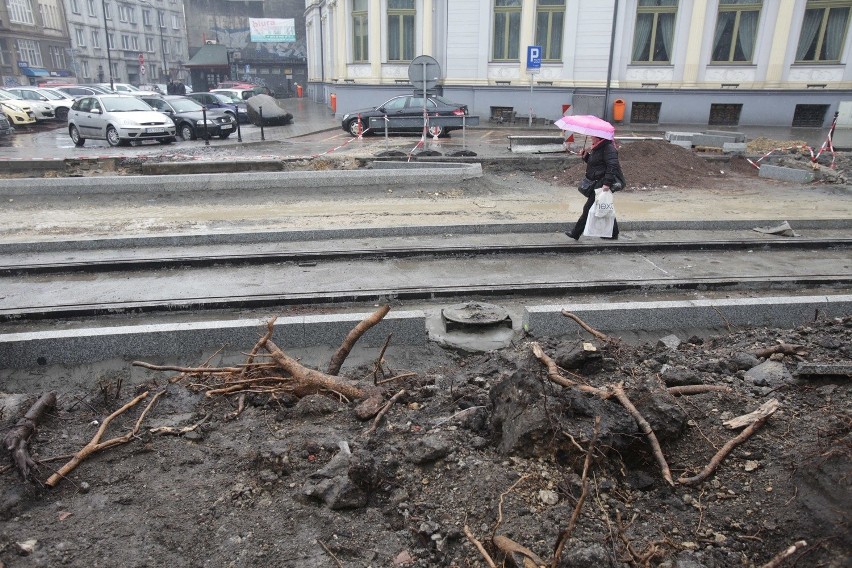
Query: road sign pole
{"type": "Point", "coordinates": [532, 77]}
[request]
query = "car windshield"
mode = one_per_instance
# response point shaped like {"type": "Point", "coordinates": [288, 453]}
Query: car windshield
{"type": "Point", "coordinates": [231, 96]}
{"type": "Point", "coordinates": [7, 96]}
{"type": "Point", "coordinates": [184, 105]}
{"type": "Point", "coordinates": [222, 98]}
{"type": "Point", "coordinates": [123, 104]}
{"type": "Point", "coordinates": [53, 95]}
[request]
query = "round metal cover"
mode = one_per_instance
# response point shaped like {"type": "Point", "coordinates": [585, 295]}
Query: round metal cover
{"type": "Point", "coordinates": [424, 72]}
{"type": "Point", "coordinates": [475, 314]}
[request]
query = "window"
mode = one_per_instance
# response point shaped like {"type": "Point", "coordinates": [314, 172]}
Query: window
{"type": "Point", "coordinates": [165, 46]}
{"type": "Point", "coordinates": [123, 13]}
{"type": "Point", "coordinates": [652, 41]}
{"type": "Point", "coordinates": [401, 15]}
{"type": "Point", "coordinates": [125, 41]}
{"type": "Point", "coordinates": [49, 16]}
{"type": "Point", "coordinates": [75, 6]}
{"type": "Point", "coordinates": [645, 113]}
{"type": "Point", "coordinates": [823, 31]}
{"type": "Point", "coordinates": [149, 44]}
{"type": "Point", "coordinates": [5, 57]}
{"type": "Point", "coordinates": [146, 17]}
{"type": "Point", "coordinates": [29, 51]}
{"type": "Point", "coordinates": [507, 30]}
{"type": "Point", "coordinates": [725, 114]}
{"type": "Point", "coordinates": [57, 57]}
{"type": "Point", "coordinates": [178, 46]}
{"type": "Point", "coordinates": [134, 43]}
{"type": "Point", "coordinates": [81, 37]}
{"type": "Point", "coordinates": [96, 39]}
{"type": "Point", "coordinates": [85, 66]}
{"type": "Point", "coordinates": [110, 41]}
{"type": "Point", "coordinates": [359, 31]}
{"type": "Point", "coordinates": [91, 5]}
{"type": "Point", "coordinates": [549, 23]}
{"type": "Point", "coordinates": [107, 11]}
{"type": "Point", "coordinates": [21, 13]}
{"type": "Point", "coordinates": [809, 116]}
{"type": "Point", "coordinates": [175, 22]}
{"type": "Point", "coordinates": [161, 19]}
{"type": "Point", "coordinates": [736, 29]}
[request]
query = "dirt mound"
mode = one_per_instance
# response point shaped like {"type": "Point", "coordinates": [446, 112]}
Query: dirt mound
{"type": "Point", "coordinates": [657, 163]}
{"type": "Point", "coordinates": [482, 445]}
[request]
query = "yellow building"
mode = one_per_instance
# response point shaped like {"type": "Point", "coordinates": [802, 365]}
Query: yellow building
{"type": "Point", "coordinates": [702, 62]}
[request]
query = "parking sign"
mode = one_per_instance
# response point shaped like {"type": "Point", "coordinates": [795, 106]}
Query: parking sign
{"type": "Point", "coordinates": [533, 57]}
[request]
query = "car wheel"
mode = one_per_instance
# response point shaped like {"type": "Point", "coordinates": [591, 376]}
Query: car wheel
{"type": "Point", "coordinates": [224, 135]}
{"type": "Point", "coordinates": [112, 136]}
{"type": "Point", "coordinates": [436, 131]}
{"type": "Point", "coordinates": [75, 136]}
{"type": "Point", "coordinates": [62, 113]}
{"type": "Point", "coordinates": [355, 128]}
{"type": "Point", "coordinates": [186, 132]}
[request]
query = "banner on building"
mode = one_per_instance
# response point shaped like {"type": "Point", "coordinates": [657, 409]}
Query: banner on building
{"type": "Point", "coordinates": [265, 30]}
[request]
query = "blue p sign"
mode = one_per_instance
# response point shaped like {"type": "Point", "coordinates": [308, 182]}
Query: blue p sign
{"type": "Point", "coordinates": [533, 57]}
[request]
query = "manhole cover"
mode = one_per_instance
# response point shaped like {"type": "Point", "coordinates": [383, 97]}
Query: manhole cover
{"type": "Point", "coordinates": [473, 315]}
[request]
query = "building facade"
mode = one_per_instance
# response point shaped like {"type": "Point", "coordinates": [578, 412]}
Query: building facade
{"type": "Point", "coordinates": [279, 65]}
{"type": "Point", "coordinates": [146, 38]}
{"type": "Point", "coordinates": [34, 42]}
{"type": "Point", "coordinates": [701, 62]}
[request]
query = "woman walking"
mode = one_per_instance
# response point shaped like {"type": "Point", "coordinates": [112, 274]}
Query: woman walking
{"type": "Point", "coordinates": [602, 171]}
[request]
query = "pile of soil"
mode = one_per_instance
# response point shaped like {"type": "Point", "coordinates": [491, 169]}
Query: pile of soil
{"type": "Point", "coordinates": [476, 446]}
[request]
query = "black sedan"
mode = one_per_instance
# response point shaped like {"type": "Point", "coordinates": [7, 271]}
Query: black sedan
{"type": "Point", "coordinates": [358, 121]}
{"type": "Point", "coordinates": [188, 116]}
{"type": "Point", "coordinates": [215, 100]}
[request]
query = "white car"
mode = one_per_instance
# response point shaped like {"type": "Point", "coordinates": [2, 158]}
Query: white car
{"type": "Point", "coordinates": [41, 111]}
{"type": "Point", "coordinates": [60, 102]}
{"type": "Point", "coordinates": [118, 119]}
{"type": "Point", "coordinates": [126, 89]}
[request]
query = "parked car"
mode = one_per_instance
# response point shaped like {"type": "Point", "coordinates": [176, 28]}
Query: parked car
{"type": "Point", "coordinates": [124, 89]}
{"type": "Point", "coordinates": [243, 86]}
{"type": "Point", "coordinates": [243, 94]}
{"type": "Point", "coordinates": [41, 111]}
{"type": "Point", "coordinates": [154, 88]}
{"type": "Point", "coordinates": [217, 100]}
{"type": "Point", "coordinates": [60, 103]}
{"type": "Point", "coordinates": [19, 113]}
{"type": "Point", "coordinates": [405, 106]}
{"type": "Point", "coordinates": [118, 119]}
{"type": "Point", "coordinates": [188, 116]}
{"type": "Point", "coordinates": [5, 126]}
{"type": "Point", "coordinates": [81, 90]}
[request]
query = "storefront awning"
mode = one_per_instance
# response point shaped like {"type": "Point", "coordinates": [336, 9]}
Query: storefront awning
{"type": "Point", "coordinates": [35, 72]}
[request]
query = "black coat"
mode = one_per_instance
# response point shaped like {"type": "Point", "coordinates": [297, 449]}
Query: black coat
{"type": "Point", "coordinates": [602, 164]}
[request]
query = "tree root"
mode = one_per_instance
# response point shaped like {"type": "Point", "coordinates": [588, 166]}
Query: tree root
{"type": "Point", "coordinates": [587, 327]}
{"type": "Point", "coordinates": [18, 437]}
{"type": "Point", "coordinates": [343, 351]}
{"type": "Point", "coordinates": [784, 554]}
{"type": "Point", "coordinates": [697, 389]}
{"type": "Point", "coordinates": [310, 381]}
{"type": "Point", "coordinates": [786, 348]}
{"type": "Point", "coordinates": [384, 411]}
{"type": "Point", "coordinates": [95, 445]}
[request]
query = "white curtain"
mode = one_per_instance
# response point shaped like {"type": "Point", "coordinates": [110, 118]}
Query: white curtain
{"type": "Point", "coordinates": [810, 27]}
{"type": "Point", "coordinates": [643, 35]}
{"type": "Point", "coordinates": [746, 36]}
{"type": "Point", "coordinates": [666, 30]}
{"type": "Point", "coordinates": [833, 42]}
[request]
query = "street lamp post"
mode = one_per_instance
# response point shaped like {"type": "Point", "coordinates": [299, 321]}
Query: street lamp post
{"type": "Point", "coordinates": [164, 71]}
{"type": "Point", "coordinates": [106, 38]}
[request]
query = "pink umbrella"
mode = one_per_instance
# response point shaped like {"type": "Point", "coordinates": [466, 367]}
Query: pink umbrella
{"type": "Point", "coordinates": [588, 125]}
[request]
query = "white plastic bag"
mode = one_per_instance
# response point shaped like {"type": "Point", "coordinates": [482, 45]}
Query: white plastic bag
{"type": "Point", "coordinates": [604, 206]}
{"type": "Point", "coordinates": [596, 225]}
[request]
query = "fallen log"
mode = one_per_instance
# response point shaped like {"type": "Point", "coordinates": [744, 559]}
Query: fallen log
{"type": "Point", "coordinates": [17, 439]}
{"type": "Point", "coordinates": [352, 337]}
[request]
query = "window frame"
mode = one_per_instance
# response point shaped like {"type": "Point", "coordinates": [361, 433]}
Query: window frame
{"type": "Point", "coordinates": [400, 15]}
{"type": "Point", "coordinates": [550, 8]}
{"type": "Point", "coordinates": [21, 12]}
{"type": "Point", "coordinates": [739, 9]}
{"type": "Point", "coordinates": [655, 12]}
{"type": "Point", "coordinates": [360, 42]}
{"type": "Point", "coordinates": [29, 50]}
{"type": "Point", "coordinates": [505, 12]}
{"type": "Point", "coordinates": [826, 6]}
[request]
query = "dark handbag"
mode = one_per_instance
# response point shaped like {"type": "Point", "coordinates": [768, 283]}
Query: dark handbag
{"type": "Point", "coordinates": [586, 187]}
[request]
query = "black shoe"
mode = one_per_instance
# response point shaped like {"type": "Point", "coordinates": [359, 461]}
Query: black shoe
{"type": "Point", "coordinates": [576, 238]}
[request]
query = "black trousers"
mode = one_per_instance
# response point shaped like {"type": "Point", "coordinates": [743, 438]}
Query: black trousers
{"type": "Point", "coordinates": [580, 226]}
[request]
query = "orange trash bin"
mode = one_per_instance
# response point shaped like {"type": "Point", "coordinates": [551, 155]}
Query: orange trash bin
{"type": "Point", "coordinates": [333, 103]}
{"type": "Point", "coordinates": [618, 110]}
{"type": "Point", "coordinates": [299, 91]}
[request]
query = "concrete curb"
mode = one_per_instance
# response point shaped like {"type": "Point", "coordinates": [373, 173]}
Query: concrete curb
{"type": "Point", "coordinates": [251, 181]}
{"type": "Point", "coordinates": [177, 240]}
{"type": "Point", "coordinates": [163, 342]}
{"type": "Point", "coordinates": [779, 311]}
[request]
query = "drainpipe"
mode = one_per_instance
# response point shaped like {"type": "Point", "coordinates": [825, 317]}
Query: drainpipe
{"type": "Point", "coordinates": [606, 112]}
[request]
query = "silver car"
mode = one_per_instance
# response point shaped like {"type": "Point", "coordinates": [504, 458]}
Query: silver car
{"type": "Point", "coordinates": [118, 119]}
{"type": "Point", "coordinates": [41, 110]}
{"type": "Point", "coordinates": [60, 103]}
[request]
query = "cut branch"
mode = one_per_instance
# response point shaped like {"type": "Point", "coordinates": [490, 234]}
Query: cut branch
{"type": "Point", "coordinates": [721, 454]}
{"type": "Point", "coordinates": [784, 554]}
{"type": "Point", "coordinates": [312, 380]}
{"type": "Point", "coordinates": [353, 336]}
{"type": "Point", "coordinates": [384, 411]}
{"type": "Point", "coordinates": [95, 445]}
{"type": "Point", "coordinates": [17, 439]}
{"type": "Point", "coordinates": [619, 393]}
{"type": "Point", "coordinates": [786, 348]}
{"type": "Point", "coordinates": [587, 327]}
{"type": "Point", "coordinates": [697, 389]}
